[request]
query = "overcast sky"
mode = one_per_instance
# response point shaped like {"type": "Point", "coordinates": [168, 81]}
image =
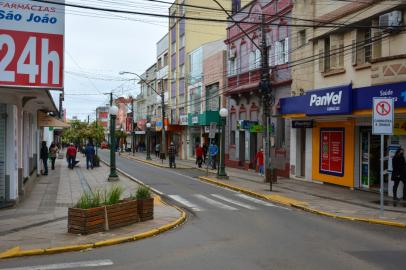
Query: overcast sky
{"type": "Point", "coordinates": [99, 48]}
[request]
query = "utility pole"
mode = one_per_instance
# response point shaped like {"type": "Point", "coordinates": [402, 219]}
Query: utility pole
{"type": "Point", "coordinates": [163, 143]}
{"type": "Point", "coordinates": [265, 89]}
{"type": "Point", "coordinates": [132, 127]}
{"type": "Point", "coordinates": [61, 98]}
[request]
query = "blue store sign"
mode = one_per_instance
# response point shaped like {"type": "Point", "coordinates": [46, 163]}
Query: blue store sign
{"type": "Point", "coordinates": [342, 99]}
{"type": "Point", "coordinates": [334, 100]}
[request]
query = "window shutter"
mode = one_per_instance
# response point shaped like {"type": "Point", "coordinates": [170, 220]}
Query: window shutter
{"type": "Point", "coordinates": [321, 55]}
{"type": "Point", "coordinates": [258, 58]}
{"type": "Point", "coordinates": [354, 47]}
{"type": "Point", "coordinates": [277, 45]}
{"type": "Point", "coordinates": [341, 51]}
{"type": "Point", "coordinates": [377, 44]}
{"type": "Point", "coordinates": [286, 50]}
{"type": "Point", "coordinates": [333, 51]}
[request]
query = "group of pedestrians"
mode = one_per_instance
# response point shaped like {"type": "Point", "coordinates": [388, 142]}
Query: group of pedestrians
{"type": "Point", "coordinates": [201, 152]}
{"type": "Point", "coordinates": [48, 154]}
{"type": "Point", "coordinates": [51, 154]}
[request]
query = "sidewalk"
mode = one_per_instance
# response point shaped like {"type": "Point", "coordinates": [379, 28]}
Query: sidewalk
{"type": "Point", "coordinates": [325, 199]}
{"type": "Point", "coordinates": [40, 221]}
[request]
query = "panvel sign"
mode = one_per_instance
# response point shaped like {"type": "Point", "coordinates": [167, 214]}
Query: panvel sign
{"type": "Point", "coordinates": [334, 100]}
{"type": "Point", "coordinates": [31, 44]}
{"type": "Point", "coordinates": [332, 151]}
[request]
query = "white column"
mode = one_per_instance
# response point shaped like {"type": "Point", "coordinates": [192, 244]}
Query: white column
{"type": "Point", "coordinates": [309, 154]}
{"type": "Point", "coordinates": [12, 150]}
{"type": "Point", "coordinates": [293, 152]}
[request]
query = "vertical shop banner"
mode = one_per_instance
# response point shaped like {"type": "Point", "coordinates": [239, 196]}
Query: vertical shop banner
{"type": "Point", "coordinates": [332, 151]}
{"type": "Point", "coordinates": [31, 44]}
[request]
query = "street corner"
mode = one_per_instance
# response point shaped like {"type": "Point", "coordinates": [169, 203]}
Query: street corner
{"type": "Point", "coordinates": [285, 200]}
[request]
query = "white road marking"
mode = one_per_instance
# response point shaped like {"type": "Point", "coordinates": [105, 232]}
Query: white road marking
{"type": "Point", "coordinates": [259, 201]}
{"type": "Point", "coordinates": [186, 202]}
{"type": "Point", "coordinates": [70, 265]}
{"type": "Point", "coordinates": [234, 201]}
{"type": "Point", "coordinates": [214, 203]}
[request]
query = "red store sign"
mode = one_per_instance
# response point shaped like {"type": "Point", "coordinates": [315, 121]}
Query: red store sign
{"type": "Point", "coordinates": [332, 151]}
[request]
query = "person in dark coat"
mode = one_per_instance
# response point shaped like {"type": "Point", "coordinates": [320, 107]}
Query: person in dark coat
{"type": "Point", "coordinates": [44, 156]}
{"type": "Point", "coordinates": [399, 172]}
{"type": "Point", "coordinates": [171, 155]}
{"type": "Point", "coordinates": [89, 152]}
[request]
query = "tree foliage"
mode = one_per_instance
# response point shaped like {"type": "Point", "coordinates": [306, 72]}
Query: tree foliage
{"type": "Point", "coordinates": [81, 132]}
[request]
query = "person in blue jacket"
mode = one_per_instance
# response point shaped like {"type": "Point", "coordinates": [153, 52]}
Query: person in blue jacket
{"type": "Point", "coordinates": [89, 152]}
{"type": "Point", "coordinates": [213, 151]}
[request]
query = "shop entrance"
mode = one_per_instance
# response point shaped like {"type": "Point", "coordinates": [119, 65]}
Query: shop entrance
{"type": "Point", "coordinates": [370, 159]}
{"type": "Point", "coordinates": [3, 120]}
{"type": "Point", "coordinates": [242, 148]}
{"type": "Point", "coordinates": [253, 149]}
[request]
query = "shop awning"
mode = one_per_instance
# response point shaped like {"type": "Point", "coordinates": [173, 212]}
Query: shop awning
{"type": "Point", "coordinates": [45, 120]}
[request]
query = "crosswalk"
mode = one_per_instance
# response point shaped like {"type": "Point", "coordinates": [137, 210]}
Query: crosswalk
{"type": "Point", "coordinates": [232, 202]}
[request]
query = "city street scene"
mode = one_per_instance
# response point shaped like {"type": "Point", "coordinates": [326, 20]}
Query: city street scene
{"type": "Point", "coordinates": [202, 134]}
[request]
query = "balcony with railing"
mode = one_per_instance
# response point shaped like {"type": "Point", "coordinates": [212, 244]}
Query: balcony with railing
{"type": "Point", "coordinates": [162, 73]}
{"type": "Point", "coordinates": [243, 82]}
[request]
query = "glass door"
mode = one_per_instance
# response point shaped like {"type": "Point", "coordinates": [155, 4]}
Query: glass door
{"type": "Point", "coordinates": [365, 139]}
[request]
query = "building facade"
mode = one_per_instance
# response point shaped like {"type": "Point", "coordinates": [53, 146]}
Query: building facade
{"type": "Point", "coordinates": [332, 141]}
{"type": "Point", "coordinates": [184, 37]}
{"type": "Point", "coordinates": [245, 129]}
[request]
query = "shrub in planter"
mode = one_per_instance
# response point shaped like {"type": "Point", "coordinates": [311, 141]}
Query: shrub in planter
{"type": "Point", "coordinates": [99, 211]}
{"type": "Point", "coordinates": [88, 216]}
{"type": "Point", "coordinates": [145, 203]}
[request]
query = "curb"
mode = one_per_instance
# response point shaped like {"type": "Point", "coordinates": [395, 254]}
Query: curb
{"type": "Point", "coordinates": [302, 205]}
{"type": "Point", "coordinates": [17, 252]}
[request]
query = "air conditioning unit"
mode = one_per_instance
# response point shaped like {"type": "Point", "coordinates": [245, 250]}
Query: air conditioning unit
{"type": "Point", "coordinates": [389, 21]}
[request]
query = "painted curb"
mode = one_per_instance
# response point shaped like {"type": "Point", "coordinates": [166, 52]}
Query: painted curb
{"type": "Point", "coordinates": [302, 205]}
{"type": "Point", "coordinates": [17, 252]}
{"type": "Point", "coordinates": [152, 163]}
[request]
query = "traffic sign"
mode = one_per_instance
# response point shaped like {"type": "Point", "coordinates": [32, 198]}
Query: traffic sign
{"type": "Point", "coordinates": [382, 120]}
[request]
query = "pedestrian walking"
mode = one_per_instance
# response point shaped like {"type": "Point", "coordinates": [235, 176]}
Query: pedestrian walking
{"type": "Point", "coordinates": [199, 155]}
{"type": "Point", "coordinates": [71, 156]}
{"type": "Point", "coordinates": [157, 149]}
{"type": "Point", "coordinates": [53, 152]}
{"type": "Point", "coordinates": [171, 155]}
{"type": "Point", "coordinates": [399, 173]}
{"type": "Point", "coordinates": [89, 152]}
{"type": "Point", "coordinates": [44, 156]}
{"type": "Point", "coordinates": [213, 150]}
{"type": "Point", "coordinates": [260, 161]}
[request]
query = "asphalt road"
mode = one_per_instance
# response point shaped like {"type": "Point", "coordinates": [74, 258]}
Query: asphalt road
{"type": "Point", "coordinates": [226, 230]}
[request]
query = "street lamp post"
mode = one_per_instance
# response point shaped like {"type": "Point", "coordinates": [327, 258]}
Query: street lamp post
{"type": "Point", "coordinates": [148, 141]}
{"type": "Point", "coordinates": [222, 170]}
{"type": "Point", "coordinates": [113, 114]}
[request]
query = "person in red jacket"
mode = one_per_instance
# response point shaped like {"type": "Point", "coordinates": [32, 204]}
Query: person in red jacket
{"type": "Point", "coordinates": [71, 155]}
{"type": "Point", "coordinates": [199, 155]}
{"type": "Point", "coordinates": [260, 161]}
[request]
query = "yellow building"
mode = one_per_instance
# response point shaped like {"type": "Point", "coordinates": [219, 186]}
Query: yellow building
{"type": "Point", "coordinates": [186, 35]}
{"type": "Point", "coordinates": [338, 71]}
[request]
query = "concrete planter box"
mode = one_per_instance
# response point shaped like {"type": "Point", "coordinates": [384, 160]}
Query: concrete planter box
{"type": "Point", "coordinates": [146, 209]}
{"type": "Point", "coordinates": [87, 221]}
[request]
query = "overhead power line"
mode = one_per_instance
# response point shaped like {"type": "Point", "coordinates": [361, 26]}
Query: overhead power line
{"type": "Point", "coordinates": [199, 18]}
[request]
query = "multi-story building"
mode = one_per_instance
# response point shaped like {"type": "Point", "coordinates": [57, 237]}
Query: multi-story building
{"type": "Point", "coordinates": [207, 69]}
{"type": "Point", "coordinates": [362, 57]}
{"type": "Point", "coordinates": [146, 105]}
{"type": "Point", "coordinates": [245, 129]}
{"type": "Point", "coordinates": [162, 83]}
{"type": "Point", "coordinates": [184, 37]}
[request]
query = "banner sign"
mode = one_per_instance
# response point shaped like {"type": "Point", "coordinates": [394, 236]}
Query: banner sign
{"type": "Point", "coordinates": [382, 120]}
{"type": "Point", "coordinates": [332, 151]}
{"type": "Point", "coordinates": [184, 120]}
{"type": "Point", "coordinates": [302, 124]}
{"type": "Point", "coordinates": [31, 44]}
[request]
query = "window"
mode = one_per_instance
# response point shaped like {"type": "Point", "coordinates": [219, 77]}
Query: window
{"type": "Point", "coordinates": [362, 46]}
{"type": "Point", "coordinates": [301, 38]}
{"type": "Point", "coordinates": [182, 41]}
{"type": "Point", "coordinates": [212, 97]}
{"type": "Point", "coordinates": [232, 137]}
{"type": "Point", "coordinates": [243, 56]}
{"type": "Point", "coordinates": [165, 59]}
{"type": "Point", "coordinates": [281, 51]}
{"type": "Point", "coordinates": [252, 60]}
{"type": "Point", "coordinates": [182, 71]}
{"type": "Point", "coordinates": [232, 67]}
{"type": "Point", "coordinates": [331, 53]}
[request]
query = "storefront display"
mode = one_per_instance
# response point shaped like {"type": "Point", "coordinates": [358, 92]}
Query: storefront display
{"type": "Point", "coordinates": [332, 151]}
